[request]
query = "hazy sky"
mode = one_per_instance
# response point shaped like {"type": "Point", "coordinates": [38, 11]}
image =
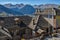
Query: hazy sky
{"type": "Point", "coordinates": [33, 2]}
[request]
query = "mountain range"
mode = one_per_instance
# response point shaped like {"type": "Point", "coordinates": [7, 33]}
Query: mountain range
{"type": "Point", "coordinates": [47, 6]}
{"type": "Point", "coordinates": [9, 11]}
{"type": "Point", "coordinates": [21, 9]}
{"type": "Point", "coordinates": [35, 6]}
{"type": "Point", "coordinates": [27, 9]}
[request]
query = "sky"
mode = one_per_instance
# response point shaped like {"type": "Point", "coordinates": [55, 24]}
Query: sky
{"type": "Point", "coordinates": [32, 2]}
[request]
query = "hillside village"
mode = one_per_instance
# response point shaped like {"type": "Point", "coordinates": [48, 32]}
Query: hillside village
{"type": "Point", "coordinates": [44, 23]}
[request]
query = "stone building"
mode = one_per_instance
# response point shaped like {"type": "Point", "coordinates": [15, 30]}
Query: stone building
{"type": "Point", "coordinates": [27, 27]}
{"type": "Point", "coordinates": [17, 26]}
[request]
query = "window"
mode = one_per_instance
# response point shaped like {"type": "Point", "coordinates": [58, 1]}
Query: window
{"type": "Point", "coordinates": [34, 22]}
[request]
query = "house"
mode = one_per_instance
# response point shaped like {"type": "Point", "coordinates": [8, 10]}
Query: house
{"type": "Point", "coordinates": [44, 20]}
{"type": "Point", "coordinates": [17, 25]}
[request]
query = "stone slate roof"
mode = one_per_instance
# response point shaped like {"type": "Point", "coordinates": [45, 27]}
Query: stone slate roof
{"type": "Point", "coordinates": [26, 19]}
{"type": "Point", "coordinates": [9, 21]}
{"type": "Point", "coordinates": [42, 22]}
{"type": "Point", "coordinates": [1, 34]}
